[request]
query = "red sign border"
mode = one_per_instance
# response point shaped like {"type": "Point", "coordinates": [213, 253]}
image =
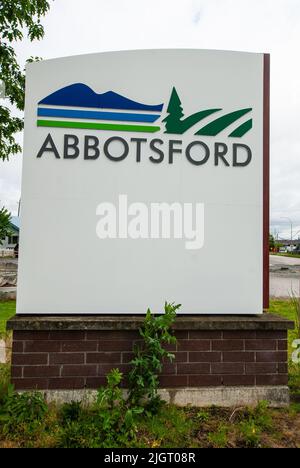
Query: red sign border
{"type": "Point", "coordinates": [266, 178]}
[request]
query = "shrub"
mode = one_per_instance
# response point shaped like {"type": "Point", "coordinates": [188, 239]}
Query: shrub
{"type": "Point", "coordinates": [250, 434]}
{"type": "Point", "coordinates": [256, 421]}
{"type": "Point", "coordinates": [117, 417]}
{"type": "Point", "coordinates": [262, 417]}
{"type": "Point", "coordinates": [71, 411]}
{"type": "Point", "coordinates": [148, 361]}
{"type": "Point", "coordinates": [20, 410]}
{"type": "Point", "coordinates": [203, 416]}
{"type": "Point", "coordinates": [4, 382]}
{"type": "Point", "coordinates": [84, 433]}
{"type": "Point", "coordinates": [219, 438]}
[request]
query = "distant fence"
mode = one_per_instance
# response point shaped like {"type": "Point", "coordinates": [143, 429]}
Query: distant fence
{"type": "Point", "coordinates": [6, 253]}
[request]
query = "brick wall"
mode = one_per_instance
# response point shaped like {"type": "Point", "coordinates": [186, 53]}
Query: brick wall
{"type": "Point", "coordinates": [81, 359]}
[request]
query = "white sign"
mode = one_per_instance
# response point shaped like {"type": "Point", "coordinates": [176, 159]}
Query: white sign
{"type": "Point", "coordinates": [143, 183]}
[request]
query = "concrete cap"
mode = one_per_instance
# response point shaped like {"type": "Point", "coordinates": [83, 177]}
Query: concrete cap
{"type": "Point", "coordinates": [264, 321]}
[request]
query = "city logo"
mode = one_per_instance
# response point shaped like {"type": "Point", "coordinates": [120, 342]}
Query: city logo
{"type": "Point", "coordinates": [78, 106]}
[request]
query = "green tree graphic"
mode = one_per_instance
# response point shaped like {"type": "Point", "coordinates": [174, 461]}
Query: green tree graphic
{"type": "Point", "coordinates": [173, 122]}
{"type": "Point", "coordinates": [175, 111]}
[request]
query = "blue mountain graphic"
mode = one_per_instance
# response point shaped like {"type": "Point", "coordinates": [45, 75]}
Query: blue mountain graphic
{"type": "Point", "coordinates": [80, 95]}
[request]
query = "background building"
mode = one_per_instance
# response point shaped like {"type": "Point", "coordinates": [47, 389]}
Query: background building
{"type": "Point", "coordinates": [11, 241]}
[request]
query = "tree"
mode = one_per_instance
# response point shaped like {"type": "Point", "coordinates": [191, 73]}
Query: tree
{"type": "Point", "coordinates": [271, 242]}
{"type": "Point", "coordinates": [17, 17]}
{"type": "Point", "coordinates": [5, 227]}
{"type": "Point", "coordinates": [175, 112]}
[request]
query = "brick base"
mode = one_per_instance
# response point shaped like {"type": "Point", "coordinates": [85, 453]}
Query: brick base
{"type": "Point", "coordinates": [55, 354]}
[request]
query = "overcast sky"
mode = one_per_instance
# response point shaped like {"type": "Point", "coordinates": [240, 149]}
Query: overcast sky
{"type": "Point", "coordinates": [77, 27]}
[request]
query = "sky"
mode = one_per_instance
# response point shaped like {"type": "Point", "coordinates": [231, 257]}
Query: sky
{"type": "Point", "coordinates": [75, 27]}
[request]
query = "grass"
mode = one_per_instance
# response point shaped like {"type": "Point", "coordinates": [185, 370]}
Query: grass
{"type": "Point", "coordinates": [285, 254]}
{"type": "Point", "coordinates": [286, 309]}
{"type": "Point", "coordinates": [7, 310]}
{"type": "Point", "coordinates": [171, 427]}
{"type": "Point", "coordinates": [221, 427]}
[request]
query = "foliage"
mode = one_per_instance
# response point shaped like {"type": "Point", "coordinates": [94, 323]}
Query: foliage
{"type": "Point", "coordinates": [169, 427]}
{"type": "Point", "coordinates": [4, 382]}
{"type": "Point", "coordinates": [116, 415]}
{"type": "Point", "coordinates": [219, 438]}
{"type": "Point", "coordinates": [250, 434]}
{"type": "Point", "coordinates": [79, 434]}
{"type": "Point", "coordinates": [148, 361]}
{"type": "Point", "coordinates": [294, 409]}
{"type": "Point", "coordinates": [261, 416]}
{"type": "Point", "coordinates": [203, 416]}
{"type": "Point", "coordinates": [110, 422]}
{"type": "Point", "coordinates": [271, 242]}
{"type": "Point", "coordinates": [19, 410]}
{"type": "Point", "coordinates": [73, 425]}
{"type": "Point", "coordinates": [115, 421]}
{"type": "Point", "coordinates": [71, 411]}
{"type": "Point", "coordinates": [255, 421]}
{"type": "Point", "coordinates": [17, 17]}
{"type": "Point", "coordinates": [5, 216]}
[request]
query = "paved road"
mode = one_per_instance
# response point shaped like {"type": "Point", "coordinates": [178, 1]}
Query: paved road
{"type": "Point", "coordinates": [8, 269]}
{"type": "Point", "coordinates": [8, 260]}
{"type": "Point", "coordinates": [284, 276]}
{"type": "Point", "coordinates": [278, 260]}
{"type": "Point", "coordinates": [284, 287]}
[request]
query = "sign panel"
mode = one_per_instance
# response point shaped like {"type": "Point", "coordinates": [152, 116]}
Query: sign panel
{"type": "Point", "coordinates": [143, 183]}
